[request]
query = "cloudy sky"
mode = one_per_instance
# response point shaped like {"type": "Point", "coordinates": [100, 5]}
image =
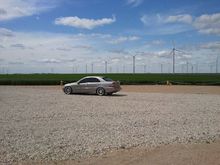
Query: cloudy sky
{"type": "Point", "coordinates": [66, 36]}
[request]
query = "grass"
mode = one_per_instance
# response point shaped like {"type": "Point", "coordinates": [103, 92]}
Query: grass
{"type": "Point", "coordinates": [54, 79]}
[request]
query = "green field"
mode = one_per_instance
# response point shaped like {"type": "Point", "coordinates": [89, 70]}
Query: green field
{"type": "Point", "coordinates": [54, 79]}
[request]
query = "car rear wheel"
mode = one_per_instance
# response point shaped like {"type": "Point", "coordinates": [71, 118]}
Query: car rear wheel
{"type": "Point", "coordinates": [68, 90]}
{"type": "Point", "coordinates": [100, 91]}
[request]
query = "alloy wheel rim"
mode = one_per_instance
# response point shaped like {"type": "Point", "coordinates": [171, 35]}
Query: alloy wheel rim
{"type": "Point", "coordinates": [68, 90]}
{"type": "Point", "coordinates": [100, 91]}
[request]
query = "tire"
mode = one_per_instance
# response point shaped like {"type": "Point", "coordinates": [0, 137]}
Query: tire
{"type": "Point", "coordinates": [67, 90]}
{"type": "Point", "coordinates": [100, 91]}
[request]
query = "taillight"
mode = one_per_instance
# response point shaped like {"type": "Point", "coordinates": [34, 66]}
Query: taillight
{"type": "Point", "coordinates": [113, 84]}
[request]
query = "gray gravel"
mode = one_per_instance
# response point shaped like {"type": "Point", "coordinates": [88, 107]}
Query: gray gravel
{"type": "Point", "coordinates": [42, 123]}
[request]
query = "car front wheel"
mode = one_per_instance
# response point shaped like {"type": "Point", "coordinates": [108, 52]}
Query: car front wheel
{"type": "Point", "coordinates": [68, 90]}
{"type": "Point", "coordinates": [100, 91]}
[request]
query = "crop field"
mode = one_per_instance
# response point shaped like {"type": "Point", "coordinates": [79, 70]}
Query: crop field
{"type": "Point", "coordinates": [54, 79]}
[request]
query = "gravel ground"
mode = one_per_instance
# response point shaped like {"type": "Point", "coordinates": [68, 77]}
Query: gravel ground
{"type": "Point", "coordinates": [42, 123]}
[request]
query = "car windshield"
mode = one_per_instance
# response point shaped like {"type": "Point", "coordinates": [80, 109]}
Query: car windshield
{"type": "Point", "coordinates": [107, 79]}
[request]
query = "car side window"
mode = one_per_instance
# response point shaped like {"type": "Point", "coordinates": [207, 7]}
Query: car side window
{"type": "Point", "coordinates": [84, 80]}
{"type": "Point", "coordinates": [94, 80]}
{"type": "Point", "coordinates": [89, 80]}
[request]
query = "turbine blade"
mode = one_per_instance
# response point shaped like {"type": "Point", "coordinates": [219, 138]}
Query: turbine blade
{"type": "Point", "coordinates": [171, 53]}
{"type": "Point", "coordinates": [173, 44]}
{"type": "Point", "coordinates": [181, 51]}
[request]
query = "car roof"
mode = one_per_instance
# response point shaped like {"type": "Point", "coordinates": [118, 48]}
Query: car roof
{"type": "Point", "coordinates": [93, 77]}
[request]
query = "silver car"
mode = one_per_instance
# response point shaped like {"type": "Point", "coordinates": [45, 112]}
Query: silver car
{"type": "Point", "coordinates": [93, 85]}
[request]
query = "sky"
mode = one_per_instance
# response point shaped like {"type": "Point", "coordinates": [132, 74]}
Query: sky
{"type": "Point", "coordinates": [82, 36]}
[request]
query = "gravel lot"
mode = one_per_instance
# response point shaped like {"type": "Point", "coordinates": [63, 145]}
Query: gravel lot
{"type": "Point", "coordinates": [42, 123]}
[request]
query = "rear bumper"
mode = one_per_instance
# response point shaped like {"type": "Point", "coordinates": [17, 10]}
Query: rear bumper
{"type": "Point", "coordinates": [112, 89]}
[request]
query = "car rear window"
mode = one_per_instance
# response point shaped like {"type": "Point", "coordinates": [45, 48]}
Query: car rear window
{"type": "Point", "coordinates": [107, 79]}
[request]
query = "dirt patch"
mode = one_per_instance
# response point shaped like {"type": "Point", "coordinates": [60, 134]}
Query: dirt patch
{"type": "Point", "coordinates": [180, 154]}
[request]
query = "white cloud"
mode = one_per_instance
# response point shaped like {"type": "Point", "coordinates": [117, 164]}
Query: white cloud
{"type": "Point", "coordinates": [21, 46]}
{"type": "Point", "coordinates": [134, 3]}
{"type": "Point", "coordinates": [159, 19]}
{"type": "Point", "coordinates": [11, 9]}
{"type": "Point", "coordinates": [149, 20]}
{"type": "Point", "coordinates": [16, 63]}
{"type": "Point", "coordinates": [83, 23]}
{"type": "Point", "coordinates": [157, 25]}
{"type": "Point", "coordinates": [61, 52]}
{"type": "Point", "coordinates": [58, 50]}
{"type": "Point", "coordinates": [115, 60]}
{"type": "Point", "coordinates": [33, 46]}
{"type": "Point", "coordinates": [208, 24]}
{"type": "Point", "coordinates": [211, 45]}
{"type": "Point", "coordinates": [50, 61]}
{"type": "Point", "coordinates": [119, 51]}
{"type": "Point", "coordinates": [157, 42]}
{"type": "Point", "coordinates": [163, 54]}
{"type": "Point", "coordinates": [123, 39]}
{"type": "Point", "coordinates": [184, 18]}
{"type": "Point", "coordinates": [6, 33]}
{"type": "Point", "coordinates": [145, 20]}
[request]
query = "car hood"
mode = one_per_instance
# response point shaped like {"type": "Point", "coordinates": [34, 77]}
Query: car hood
{"type": "Point", "coordinates": [71, 84]}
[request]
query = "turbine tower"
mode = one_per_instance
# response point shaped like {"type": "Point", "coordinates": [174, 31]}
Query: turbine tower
{"type": "Point", "coordinates": [92, 67]}
{"type": "Point", "coordinates": [161, 68]}
{"type": "Point", "coordinates": [134, 63]}
{"type": "Point", "coordinates": [173, 53]}
{"type": "Point", "coordinates": [106, 65]}
{"type": "Point", "coordinates": [187, 67]}
{"type": "Point", "coordinates": [145, 68]}
{"type": "Point", "coordinates": [217, 61]}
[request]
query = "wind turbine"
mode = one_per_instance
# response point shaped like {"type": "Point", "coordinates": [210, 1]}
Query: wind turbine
{"type": "Point", "coordinates": [108, 62]}
{"type": "Point", "coordinates": [134, 60]}
{"type": "Point", "coordinates": [173, 52]}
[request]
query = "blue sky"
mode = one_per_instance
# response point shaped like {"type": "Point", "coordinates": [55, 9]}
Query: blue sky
{"type": "Point", "coordinates": [65, 36]}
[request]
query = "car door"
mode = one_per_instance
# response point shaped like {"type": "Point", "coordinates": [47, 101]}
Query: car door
{"type": "Point", "coordinates": [82, 85]}
{"type": "Point", "coordinates": [92, 85]}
